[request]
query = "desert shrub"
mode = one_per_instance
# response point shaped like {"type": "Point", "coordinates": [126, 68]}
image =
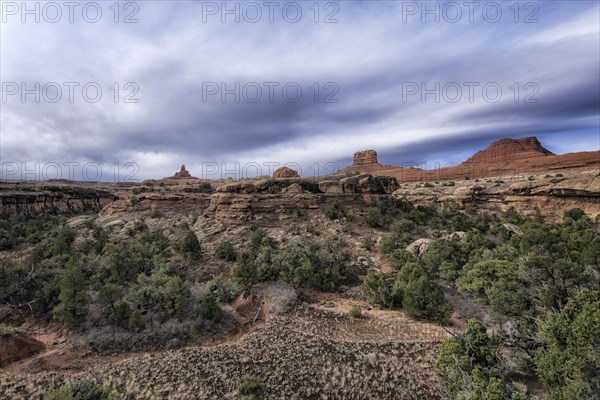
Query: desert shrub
{"type": "Point", "coordinates": [355, 312]}
{"type": "Point", "coordinates": [569, 366]}
{"type": "Point", "coordinates": [128, 258]}
{"type": "Point", "coordinates": [380, 288]}
{"type": "Point", "coordinates": [100, 238]}
{"type": "Point", "coordinates": [110, 296]}
{"type": "Point", "coordinates": [205, 187]}
{"type": "Point", "coordinates": [575, 214]}
{"type": "Point", "coordinates": [509, 297]}
{"type": "Point", "coordinates": [404, 226]}
{"type": "Point", "coordinates": [225, 251]}
{"type": "Point", "coordinates": [394, 241]}
{"type": "Point", "coordinates": [319, 267]}
{"type": "Point", "coordinates": [250, 384]}
{"type": "Point", "coordinates": [350, 215]}
{"type": "Point", "coordinates": [446, 257]}
{"type": "Point", "coordinates": [423, 299]}
{"type": "Point", "coordinates": [401, 257]}
{"type": "Point", "coordinates": [312, 229]}
{"type": "Point", "coordinates": [62, 241]}
{"type": "Point", "coordinates": [426, 216]}
{"type": "Point", "coordinates": [82, 390]}
{"type": "Point", "coordinates": [209, 309]}
{"type": "Point", "coordinates": [468, 365]}
{"type": "Point", "coordinates": [368, 243]}
{"type": "Point", "coordinates": [156, 213]}
{"type": "Point", "coordinates": [375, 218]}
{"type": "Point", "coordinates": [403, 204]}
{"type": "Point", "coordinates": [333, 211]}
{"type": "Point", "coordinates": [161, 292]}
{"type": "Point", "coordinates": [224, 290]}
{"type": "Point", "coordinates": [190, 246]}
{"type": "Point", "coordinates": [478, 278]}
{"type": "Point", "coordinates": [254, 263]}
{"type": "Point", "coordinates": [304, 263]}
{"type": "Point", "coordinates": [135, 322]}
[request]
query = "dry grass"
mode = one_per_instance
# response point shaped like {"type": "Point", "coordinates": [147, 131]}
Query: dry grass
{"type": "Point", "coordinates": [300, 355]}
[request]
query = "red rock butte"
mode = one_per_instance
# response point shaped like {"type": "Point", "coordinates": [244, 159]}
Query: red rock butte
{"type": "Point", "coordinates": [503, 157]}
{"type": "Point", "coordinates": [285, 172]}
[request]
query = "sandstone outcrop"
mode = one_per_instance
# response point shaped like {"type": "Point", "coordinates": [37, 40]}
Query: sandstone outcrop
{"type": "Point", "coordinates": [29, 197]}
{"type": "Point", "coordinates": [365, 157]}
{"type": "Point", "coordinates": [551, 194]}
{"type": "Point", "coordinates": [364, 184]}
{"type": "Point", "coordinates": [285, 172]}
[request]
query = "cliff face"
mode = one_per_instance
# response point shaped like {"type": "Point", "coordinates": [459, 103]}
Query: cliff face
{"type": "Point", "coordinates": [40, 197]}
{"type": "Point", "coordinates": [552, 194]}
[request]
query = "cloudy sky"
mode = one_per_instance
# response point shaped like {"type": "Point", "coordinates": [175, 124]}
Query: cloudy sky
{"type": "Point", "coordinates": [226, 87]}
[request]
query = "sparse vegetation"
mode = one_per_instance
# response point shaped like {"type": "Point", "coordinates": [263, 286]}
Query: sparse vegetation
{"type": "Point", "coordinates": [226, 251]}
{"type": "Point", "coordinates": [355, 312]}
{"type": "Point", "coordinates": [147, 284]}
{"type": "Point", "coordinates": [84, 390]}
{"type": "Point", "coordinates": [250, 384]}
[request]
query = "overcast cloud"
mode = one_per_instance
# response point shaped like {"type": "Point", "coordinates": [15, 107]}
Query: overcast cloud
{"type": "Point", "coordinates": [370, 67]}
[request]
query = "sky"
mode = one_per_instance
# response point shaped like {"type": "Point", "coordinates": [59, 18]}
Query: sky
{"type": "Point", "coordinates": [131, 91]}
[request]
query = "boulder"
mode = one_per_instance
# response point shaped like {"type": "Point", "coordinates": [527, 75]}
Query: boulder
{"type": "Point", "coordinates": [294, 188]}
{"type": "Point", "coordinates": [419, 246]}
{"type": "Point", "coordinates": [513, 228]}
{"type": "Point", "coordinates": [330, 187]}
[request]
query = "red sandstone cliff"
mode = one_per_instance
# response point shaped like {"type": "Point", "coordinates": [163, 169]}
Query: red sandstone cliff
{"type": "Point", "coordinates": [503, 157]}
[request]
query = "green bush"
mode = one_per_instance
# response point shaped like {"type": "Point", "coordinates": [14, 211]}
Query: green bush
{"type": "Point", "coordinates": [423, 299]}
{"type": "Point", "coordinates": [225, 251]}
{"type": "Point", "coordinates": [468, 365]}
{"type": "Point", "coordinates": [83, 390]}
{"type": "Point", "coordinates": [569, 365]}
{"type": "Point", "coordinates": [575, 214]}
{"type": "Point", "coordinates": [136, 322]}
{"type": "Point", "coordinates": [161, 292]}
{"type": "Point", "coordinates": [209, 309]}
{"type": "Point", "coordinates": [205, 187]}
{"type": "Point", "coordinates": [355, 312]}
{"type": "Point", "coordinates": [333, 211]}
{"type": "Point", "coordinates": [302, 263]}
{"type": "Point", "coordinates": [250, 384]}
{"type": "Point", "coordinates": [222, 289]}
{"type": "Point", "coordinates": [190, 246]}
{"type": "Point", "coordinates": [380, 288]}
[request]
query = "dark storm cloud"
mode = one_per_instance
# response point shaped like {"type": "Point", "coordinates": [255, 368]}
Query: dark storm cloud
{"type": "Point", "coordinates": [372, 57]}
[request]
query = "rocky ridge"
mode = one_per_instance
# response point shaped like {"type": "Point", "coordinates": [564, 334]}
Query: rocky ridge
{"type": "Point", "coordinates": [504, 157]}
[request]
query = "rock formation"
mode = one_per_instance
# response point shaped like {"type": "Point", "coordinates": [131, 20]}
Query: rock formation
{"type": "Point", "coordinates": [365, 157]}
{"type": "Point", "coordinates": [285, 172]}
{"type": "Point", "coordinates": [510, 150]}
{"type": "Point", "coordinates": [183, 173]}
{"type": "Point", "coordinates": [31, 197]}
{"type": "Point", "coordinates": [502, 158]}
